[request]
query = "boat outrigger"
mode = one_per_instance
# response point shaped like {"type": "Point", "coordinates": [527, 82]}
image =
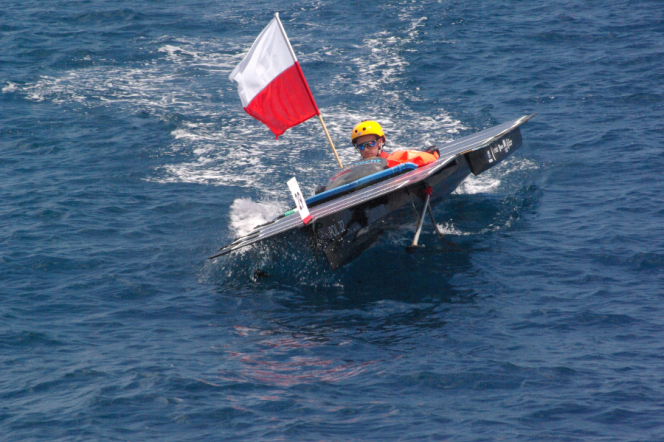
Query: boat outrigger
{"type": "Point", "coordinates": [347, 217]}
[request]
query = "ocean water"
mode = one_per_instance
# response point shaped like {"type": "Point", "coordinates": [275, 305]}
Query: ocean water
{"type": "Point", "coordinates": [126, 160]}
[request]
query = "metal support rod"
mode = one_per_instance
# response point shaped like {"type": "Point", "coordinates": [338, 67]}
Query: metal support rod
{"type": "Point", "coordinates": [421, 221]}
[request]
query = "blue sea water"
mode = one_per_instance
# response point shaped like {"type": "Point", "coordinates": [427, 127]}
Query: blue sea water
{"type": "Point", "coordinates": [126, 160]}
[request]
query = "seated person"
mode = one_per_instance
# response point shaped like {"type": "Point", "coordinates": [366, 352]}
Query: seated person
{"type": "Point", "coordinates": [368, 138]}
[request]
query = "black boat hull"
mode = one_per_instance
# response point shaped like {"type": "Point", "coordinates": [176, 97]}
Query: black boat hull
{"type": "Point", "coordinates": [344, 235]}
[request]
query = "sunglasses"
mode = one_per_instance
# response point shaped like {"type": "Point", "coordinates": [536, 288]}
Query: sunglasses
{"type": "Point", "coordinates": [366, 145]}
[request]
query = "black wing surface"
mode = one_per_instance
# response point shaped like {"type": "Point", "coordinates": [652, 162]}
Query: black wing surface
{"type": "Point", "coordinates": [448, 152]}
{"type": "Point", "coordinates": [483, 138]}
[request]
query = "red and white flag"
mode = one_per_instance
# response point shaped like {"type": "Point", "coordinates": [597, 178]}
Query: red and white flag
{"type": "Point", "coordinates": [271, 83]}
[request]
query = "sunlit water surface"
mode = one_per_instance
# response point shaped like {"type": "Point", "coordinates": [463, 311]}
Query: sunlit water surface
{"type": "Point", "coordinates": [126, 160]}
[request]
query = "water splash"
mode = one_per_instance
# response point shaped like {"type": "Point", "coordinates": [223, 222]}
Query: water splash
{"type": "Point", "coordinates": [247, 214]}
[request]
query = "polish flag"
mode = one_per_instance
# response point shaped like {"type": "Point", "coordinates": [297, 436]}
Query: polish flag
{"type": "Point", "coordinates": [271, 83]}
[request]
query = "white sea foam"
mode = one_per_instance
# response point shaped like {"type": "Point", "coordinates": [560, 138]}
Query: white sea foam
{"type": "Point", "coordinates": [11, 87]}
{"type": "Point", "coordinates": [489, 182]}
{"type": "Point", "coordinates": [174, 51]}
{"type": "Point", "coordinates": [247, 214]}
{"type": "Point", "coordinates": [381, 71]}
{"type": "Point", "coordinates": [158, 84]}
{"type": "Point", "coordinates": [478, 184]}
{"type": "Point", "coordinates": [449, 229]}
{"type": "Point", "coordinates": [517, 164]}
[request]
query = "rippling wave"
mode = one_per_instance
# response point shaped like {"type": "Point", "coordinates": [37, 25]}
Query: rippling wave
{"type": "Point", "coordinates": [127, 160]}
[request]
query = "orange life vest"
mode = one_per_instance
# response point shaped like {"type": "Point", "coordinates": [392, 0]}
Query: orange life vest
{"type": "Point", "coordinates": [411, 156]}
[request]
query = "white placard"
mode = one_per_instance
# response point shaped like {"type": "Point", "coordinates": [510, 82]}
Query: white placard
{"type": "Point", "coordinates": [299, 200]}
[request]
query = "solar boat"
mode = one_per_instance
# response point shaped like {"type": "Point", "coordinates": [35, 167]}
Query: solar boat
{"type": "Point", "coordinates": [348, 218]}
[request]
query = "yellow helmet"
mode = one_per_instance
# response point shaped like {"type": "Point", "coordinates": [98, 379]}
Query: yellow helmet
{"type": "Point", "coordinates": [366, 127]}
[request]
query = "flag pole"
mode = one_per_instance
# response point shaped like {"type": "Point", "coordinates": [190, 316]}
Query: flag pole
{"type": "Point", "coordinates": [320, 117]}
